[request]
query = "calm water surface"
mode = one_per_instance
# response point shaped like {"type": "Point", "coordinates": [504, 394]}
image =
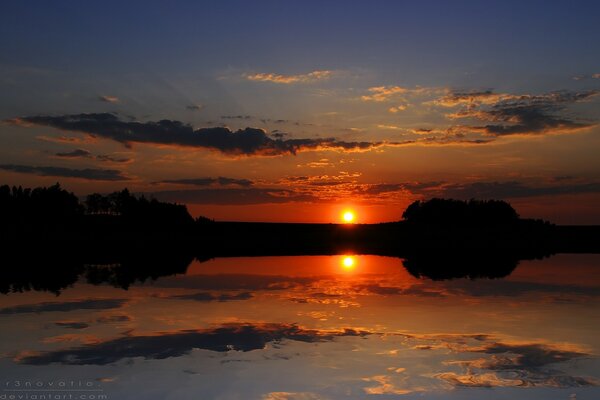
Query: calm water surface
{"type": "Point", "coordinates": [310, 327]}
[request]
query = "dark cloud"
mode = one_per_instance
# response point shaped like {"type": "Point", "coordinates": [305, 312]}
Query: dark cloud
{"type": "Point", "coordinates": [82, 153]}
{"type": "Point", "coordinates": [518, 114]}
{"type": "Point", "coordinates": [87, 173]}
{"type": "Point", "coordinates": [109, 158]}
{"type": "Point", "coordinates": [72, 324]}
{"type": "Point", "coordinates": [78, 153]}
{"type": "Point", "coordinates": [210, 297]}
{"type": "Point", "coordinates": [381, 188]}
{"type": "Point", "coordinates": [513, 189]}
{"type": "Point", "coordinates": [244, 117]}
{"type": "Point", "coordinates": [518, 365]}
{"type": "Point", "coordinates": [238, 337]}
{"type": "Point", "coordinates": [108, 99]}
{"type": "Point", "coordinates": [113, 318]}
{"type": "Point", "coordinates": [222, 181]}
{"type": "Point", "coordinates": [90, 304]}
{"type": "Point", "coordinates": [515, 288]}
{"type": "Point", "coordinates": [248, 141]}
{"type": "Point", "coordinates": [232, 196]}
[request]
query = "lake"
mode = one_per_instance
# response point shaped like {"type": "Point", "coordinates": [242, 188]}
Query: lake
{"type": "Point", "coordinates": [306, 327]}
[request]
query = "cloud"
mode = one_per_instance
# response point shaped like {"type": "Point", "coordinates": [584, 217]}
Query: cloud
{"type": "Point", "coordinates": [248, 141]}
{"type": "Point", "coordinates": [206, 297]}
{"type": "Point", "coordinates": [513, 189]}
{"type": "Point", "coordinates": [517, 114]}
{"type": "Point", "coordinates": [383, 93]}
{"type": "Point", "coordinates": [238, 337]}
{"type": "Point", "coordinates": [386, 93]}
{"type": "Point", "coordinates": [246, 282]}
{"type": "Point", "coordinates": [111, 158]}
{"type": "Point", "coordinates": [290, 79]}
{"type": "Point", "coordinates": [518, 365]}
{"type": "Point", "coordinates": [77, 153]}
{"type": "Point", "coordinates": [113, 318]}
{"type": "Point", "coordinates": [244, 117]}
{"type": "Point", "coordinates": [194, 107]}
{"type": "Point", "coordinates": [72, 324]}
{"type": "Point", "coordinates": [504, 288]}
{"type": "Point", "coordinates": [385, 386]}
{"type": "Point", "coordinates": [221, 181]}
{"type": "Point", "coordinates": [472, 98]}
{"type": "Point", "coordinates": [293, 396]}
{"type": "Point", "coordinates": [58, 139]}
{"type": "Point", "coordinates": [88, 304]}
{"type": "Point", "coordinates": [583, 77]}
{"type": "Point", "coordinates": [109, 99]}
{"type": "Point", "coordinates": [398, 108]}
{"type": "Point", "coordinates": [233, 196]}
{"type": "Point", "coordinates": [87, 173]}
{"type": "Point", "coordinates": [82, 153]}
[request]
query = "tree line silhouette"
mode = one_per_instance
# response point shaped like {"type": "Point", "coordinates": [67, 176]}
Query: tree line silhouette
{"type": "Point", "coordinates": [472, 212]}
{"type": "Point", "coordinates": [54, 209]}
{"type": "Point", "coordinates": [50, 238]}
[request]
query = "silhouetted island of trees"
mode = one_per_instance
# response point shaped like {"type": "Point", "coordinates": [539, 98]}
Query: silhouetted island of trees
{"type": "Point", "coordinates": [449, 211]}
{"type": "Point", "coordinates": [140, 238]}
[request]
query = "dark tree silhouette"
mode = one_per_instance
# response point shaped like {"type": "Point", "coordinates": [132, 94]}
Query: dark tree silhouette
{"type": "Point", "coordinates": [457, 212]}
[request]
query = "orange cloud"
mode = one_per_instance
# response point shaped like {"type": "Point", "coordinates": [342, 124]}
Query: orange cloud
{"type": "Point", "coordinates": [109, 99]}
{"type": "Point", "coordinates": [385, 93]}
{"type": "Point", "coordinates": [289, 79]}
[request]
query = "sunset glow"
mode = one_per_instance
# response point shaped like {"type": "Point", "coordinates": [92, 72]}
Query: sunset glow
{"type": "Point", "coordinates": [302, 126]}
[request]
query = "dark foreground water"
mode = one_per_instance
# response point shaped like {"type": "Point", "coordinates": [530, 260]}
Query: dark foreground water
{"type": "Point", "coordinates": [310, 327]}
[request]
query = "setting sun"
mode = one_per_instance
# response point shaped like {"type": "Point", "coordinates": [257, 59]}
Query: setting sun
{"type": "Point", "coordinates": [348, 216]}
{"type": "Point", "coordinates": [348, 262]}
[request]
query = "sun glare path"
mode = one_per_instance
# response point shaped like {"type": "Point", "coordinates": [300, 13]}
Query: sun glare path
{"type": "Point", "coordinates": [348, 216]}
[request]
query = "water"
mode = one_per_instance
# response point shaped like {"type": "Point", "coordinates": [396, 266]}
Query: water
{"type": "Point", "coordinates": [309, 327]}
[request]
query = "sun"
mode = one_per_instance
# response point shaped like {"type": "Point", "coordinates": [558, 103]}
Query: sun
{"type": "Point", "coordinates": [348, 262]}
{"type": "Point", "coordinates": [348, 216]}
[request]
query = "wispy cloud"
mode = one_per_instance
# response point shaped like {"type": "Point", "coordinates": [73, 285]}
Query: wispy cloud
{"type": "Point", "coordinates": [472, 98]}
{"type": "Point", "coordinates": [83, 153]}
{"type": "Point", "coordinates": [77, 153]}
{"type": "Point", "coordinates": [90, 174]}
{"type": "Point", "coordinates": [508, 114]}
{"type": "Point", "coordinates": [584, 77]}
{"type": "Point", "coordinates": [194, 107]}
{"type": "Point", "coordinates": [234, 196]}
{"type": "Point", "coordinates": [209, 181]}
{"type": "Point", "coordinates": [513, 189]}
{"type": "Point", "coordinates": [109, 99]}
{"type": "Point", "coordinates": [518, 365]}
{"type": "Point", "coordinates": [387, 93]}
{"type": "Point", "coordinates": [289, 79]}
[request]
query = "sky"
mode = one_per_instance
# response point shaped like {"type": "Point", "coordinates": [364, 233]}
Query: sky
{"type": "Point", "coordinates": [296, 111]}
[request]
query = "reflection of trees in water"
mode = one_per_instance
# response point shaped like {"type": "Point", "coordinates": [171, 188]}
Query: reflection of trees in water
{"type": "Point", "coordinates": [460, 264]}
{"type": "Point", "coordinates": [452, 265]}
{"type": "Point", "coordinates": [50, 271]}
{"type": "Point", "coordinates": [54, 273]}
